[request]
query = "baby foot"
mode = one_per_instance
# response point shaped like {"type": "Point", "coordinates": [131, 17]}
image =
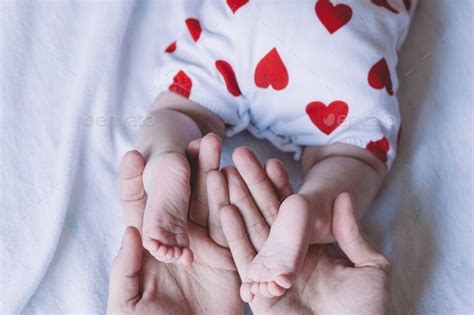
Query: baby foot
{"type": "Point", "coordinates": [167, 182]}
{"type": "Point", "coordinates": [272, 271]}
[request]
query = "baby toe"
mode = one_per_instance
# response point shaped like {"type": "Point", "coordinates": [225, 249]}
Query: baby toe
{"type": "Point", "coordinates": [263, 290]}
{"type": "Point", "coordinates": [169, 254]}
{"type": "Point", "coordinates": [245, 292]}
{"type": "Point", "coordinates": [255, 287]}
{"type": "Point", "coordinates": [284, 281]}
{"type": "Point", "coordinates": [186, 257]}
{"type": "Point", "coordinates": [274, 289]}
{"type": "Point", "coordinates": [151, 244]}
{"type": "Point", "coordinates": [177, 252]}
{"type": "Point", "coordinates": [162, 250]}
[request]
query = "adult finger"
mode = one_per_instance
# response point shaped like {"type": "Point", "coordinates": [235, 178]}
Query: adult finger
{"type": "Point", "coordinates": [132, 193]}
{"type": "Point", "coordinates": [279, 178]}
{"type": "Point", "coordinates": [350, 239]}
{"type": "Point", "coordinates": [239, 196]}
{"type": "Point", "coordinates": [124, 286]}
{"type": "Point", "coordinates": [208, 160]}
{"type": "Point", "coordinates": [236, 235]}
{"type": "Point", "coordinates": [218, 197]}
{"type": "Point", "coordinates": [257, 182]}
{"type": "Point", "coordinates": [192, 150]}
{"type": "Point", "coordinates": [192, 153]}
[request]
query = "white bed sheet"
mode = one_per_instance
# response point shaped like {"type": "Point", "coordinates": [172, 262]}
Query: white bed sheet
{"type": "Point", "coordinates": [77, 76]}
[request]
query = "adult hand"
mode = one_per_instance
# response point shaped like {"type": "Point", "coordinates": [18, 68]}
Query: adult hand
{"type": "Point", "coordinates": [328, 282]}
{"type": "Point", "coordinates": [141, 284]}
{"type": "Point", "coordinates": [358, 283]}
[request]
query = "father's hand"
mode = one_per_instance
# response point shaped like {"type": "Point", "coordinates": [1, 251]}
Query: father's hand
{"type": "Point", "coordinates": [358, 284]}
{"type": "Point", "coordinates": [329, 282]}
{"type": "Point", "coordinates": [126, 294]}
{"type": "Point", "coordinates": [140, 284]}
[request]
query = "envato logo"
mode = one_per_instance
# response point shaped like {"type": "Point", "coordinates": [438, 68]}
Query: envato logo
{"type": "Point", "coordinates": [113, 120]}
{"type": "Point", "coordinates": [370, 121]}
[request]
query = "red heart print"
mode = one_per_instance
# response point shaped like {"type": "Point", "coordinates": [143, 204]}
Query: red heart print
{"type": "Point", "coordinates": [225, 69]}
{"type": "Point", "coordinates": [234, 5]}
{"type": "Point", "coordinates": [272, 71]}
{"type": "Point", "coordinates": [379, 76]}
{"type": "Point", "coordinates": [194, 28]}
{"type": "Point", "coordinates": [327, 118]}
{"type": "Point", "coordinates": [182, 84]}
{"type": "Point", "coordinates": [385, 4]}
{"type": "Point", "coordinates": [331, 16]}
{"type": "Point", "coordinates": [171, 48]}
{"type": "Point", "coordinates": [379, 148]}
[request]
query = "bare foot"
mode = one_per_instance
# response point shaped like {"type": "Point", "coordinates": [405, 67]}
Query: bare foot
{"type": "Point", "coordinates": [272, 271]}
{"type": "Point", "coordinates": [167, 183]}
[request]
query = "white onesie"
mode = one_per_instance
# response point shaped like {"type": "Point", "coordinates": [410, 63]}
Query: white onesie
{"type": "Point", "coordinates": [298, 73]}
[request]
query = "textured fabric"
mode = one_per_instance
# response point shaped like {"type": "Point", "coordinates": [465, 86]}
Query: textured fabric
{"type": "Point", "coordinates": [76, 79]}
{"type": "Point", "coordinates": [297, 73]}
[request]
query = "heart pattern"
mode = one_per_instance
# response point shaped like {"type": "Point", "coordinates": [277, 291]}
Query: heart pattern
{"type": "Point", "coordinates": [379, 148]}
{"type": "Point", "coordinates": [171, 48]}
{"type": "Point", "coordinates": [386, 5]}
{"type": "Point", "coordinates": [181, 85]}
{"type": "Point", "coordinates": [194, 28]}
{"type": "Point", "coordinates": [327, 118]}
{"type": "Point", "coordinates": [379, 76]}
{"type": "Point", "coordinates": [331, 16]}
{"type": "Point", "coordinates": [271, 71]}
{"type": "Point", "coordinates": [228, 74]}
{"type": "Point", "coordinates": [234, 5]}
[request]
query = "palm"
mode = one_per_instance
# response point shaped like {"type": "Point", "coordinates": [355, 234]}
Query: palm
{"type": "Point", "coordinates": [328, 282]}
{"type": "Point", "coordinates": [346, 287]}
{"type": "Point", "coordinates": [209, 286]}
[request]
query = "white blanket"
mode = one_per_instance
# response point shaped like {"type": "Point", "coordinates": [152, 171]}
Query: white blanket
{"type": "Point", "coordinates": [75, 80]}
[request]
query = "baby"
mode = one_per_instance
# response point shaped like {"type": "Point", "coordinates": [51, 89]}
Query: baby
{"type": "Point", "coordinates": [316, 78]}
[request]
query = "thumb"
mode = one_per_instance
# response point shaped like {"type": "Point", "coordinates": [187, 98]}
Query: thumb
{"type": "Point", "coordinates": [350, 239]}
{"type": "Point", "coordinates": [124, 284]}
